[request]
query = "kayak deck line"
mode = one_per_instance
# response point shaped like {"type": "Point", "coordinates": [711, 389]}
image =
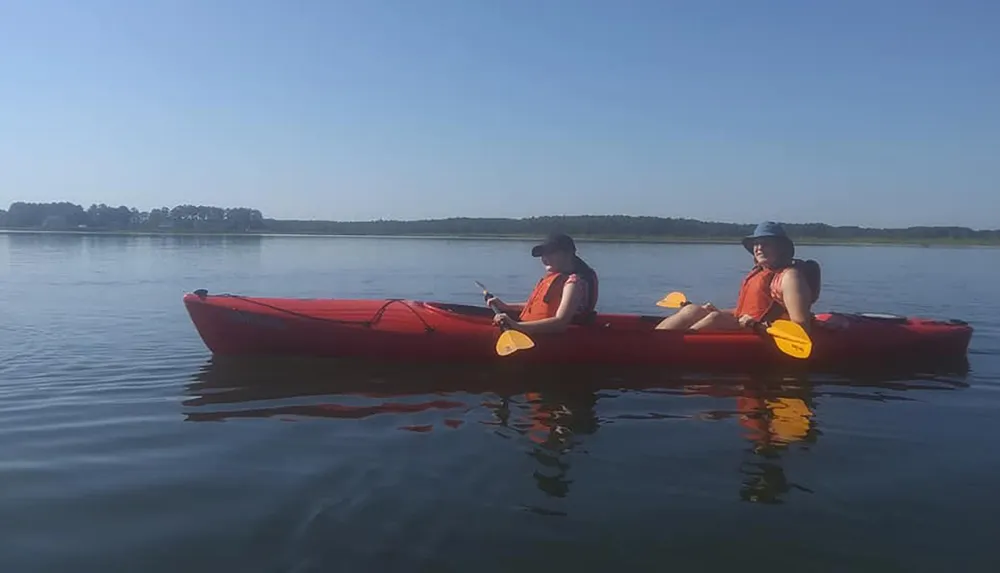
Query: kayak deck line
{"type": "Point", "coordinates": [376, 317]}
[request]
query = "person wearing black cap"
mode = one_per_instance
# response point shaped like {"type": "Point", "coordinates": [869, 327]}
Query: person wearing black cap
{"type": "Point", "coordinates": [778, 286]}
{"type": "Point", "coordinates": [567, 293]}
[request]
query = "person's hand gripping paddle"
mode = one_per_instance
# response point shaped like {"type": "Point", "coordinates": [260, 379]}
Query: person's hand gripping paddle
{"type": "Point", "coordinates": [510, 340]}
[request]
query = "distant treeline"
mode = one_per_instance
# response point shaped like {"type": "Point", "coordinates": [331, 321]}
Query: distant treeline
{"type": "Point", "coordinates": [67, 216]}
{"type": "Point", "coordinates": [199, 218]}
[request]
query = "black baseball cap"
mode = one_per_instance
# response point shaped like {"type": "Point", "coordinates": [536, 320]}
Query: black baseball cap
{"type": "Point", "coordinates": [554, 242]}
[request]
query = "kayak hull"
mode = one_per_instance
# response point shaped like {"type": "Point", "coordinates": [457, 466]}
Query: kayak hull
{"type": "Point", "coordinates": [408, 330]}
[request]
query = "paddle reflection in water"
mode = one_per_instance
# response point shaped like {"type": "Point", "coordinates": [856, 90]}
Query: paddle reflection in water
{"type": "Point", "coordinates": [773, 419]}
{"type": "Point", "coordinates": [555, 411]}
{"type": "Point", "coordinates": [779, 412]}
{"type": "Point", "coordinates": [553, 421]}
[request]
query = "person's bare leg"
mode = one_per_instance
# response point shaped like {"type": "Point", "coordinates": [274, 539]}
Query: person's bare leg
{"type": "Point", "coordinates": [717, 320]}
{"type": "Point", "coordinates": [683, 318]}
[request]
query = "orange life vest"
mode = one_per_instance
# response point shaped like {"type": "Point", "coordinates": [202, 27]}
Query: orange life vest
{"type": "Point", "coordinates": [760, 294]}
{"type": "Point", "coordinates": [545, 299]}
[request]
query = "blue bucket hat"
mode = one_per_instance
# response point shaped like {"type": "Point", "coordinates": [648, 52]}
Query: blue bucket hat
{"type": "Point", "coordinates": [769, 229]}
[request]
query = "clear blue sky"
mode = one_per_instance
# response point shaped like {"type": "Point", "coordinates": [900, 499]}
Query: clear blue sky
{"type": "Point", "coordinates": [878, 112]}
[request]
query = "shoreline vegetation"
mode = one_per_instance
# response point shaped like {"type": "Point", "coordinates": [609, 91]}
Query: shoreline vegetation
{"type": "Point", "coordinates": [101, 219]}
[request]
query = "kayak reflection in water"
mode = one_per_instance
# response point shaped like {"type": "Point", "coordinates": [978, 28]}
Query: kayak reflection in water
{"type": "Point", "coordinates": [779, 286]}
{"type": "Point", "coordinates": [567, 294]}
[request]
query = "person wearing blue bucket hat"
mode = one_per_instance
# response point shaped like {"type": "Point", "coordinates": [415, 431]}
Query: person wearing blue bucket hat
{"type": "Point", "coordinates": [779, 286]}
{"type": "Point", "coordinates": [770, 230]}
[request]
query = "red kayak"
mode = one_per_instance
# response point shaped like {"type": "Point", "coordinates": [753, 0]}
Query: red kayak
{"type": "Point", "coordinates": [394, 329]}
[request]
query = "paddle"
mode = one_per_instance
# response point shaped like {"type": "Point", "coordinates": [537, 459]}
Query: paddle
{"type": "Point", "coordinates": [510, 340]}
{"type": "Point", "coordinates": [789, 337]}
{"type": "Point", "coordinates": [673, 300]}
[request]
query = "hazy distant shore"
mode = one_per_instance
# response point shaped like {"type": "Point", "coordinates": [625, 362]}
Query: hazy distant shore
{"type": "Point", "coordinates": [816, 241]}
{"type": "Point", "coordinates": [201, 220]}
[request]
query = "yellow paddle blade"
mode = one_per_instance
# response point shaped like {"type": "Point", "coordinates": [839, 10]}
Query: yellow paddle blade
{"type": "Point", "coordinates": [791, 338]}
{"type": "Point", "coordinates": [673, 300]}
{"type": "Point", "coordinates": [511, 341]}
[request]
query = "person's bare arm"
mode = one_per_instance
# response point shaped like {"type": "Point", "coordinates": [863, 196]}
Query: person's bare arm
{"type": "Point", "coordinates": [797, 296]}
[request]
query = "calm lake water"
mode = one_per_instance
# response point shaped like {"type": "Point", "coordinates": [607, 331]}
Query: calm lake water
{"type": "Point", "coordinates": [126, 448]}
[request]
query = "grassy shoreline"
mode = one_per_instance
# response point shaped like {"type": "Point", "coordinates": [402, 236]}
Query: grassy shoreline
{"type": "Point", "coordinates": [582, 237]}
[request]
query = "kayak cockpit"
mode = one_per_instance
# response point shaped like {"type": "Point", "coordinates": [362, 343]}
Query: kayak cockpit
{"type": "Point", "coordinates": [463, 310]}
{"type": "Point", "coordinates": [481, 314]}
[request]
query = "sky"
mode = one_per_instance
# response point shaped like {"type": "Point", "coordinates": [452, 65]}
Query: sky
{"type": "Point", "coordinates": [875, 113]}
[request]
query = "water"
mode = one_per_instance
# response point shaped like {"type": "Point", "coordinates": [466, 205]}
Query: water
{"type": "Point", "coordinates": [126, 448]}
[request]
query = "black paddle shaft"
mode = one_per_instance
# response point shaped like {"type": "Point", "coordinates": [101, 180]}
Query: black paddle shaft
{"type": "Point", "coordinates": [487, 295]}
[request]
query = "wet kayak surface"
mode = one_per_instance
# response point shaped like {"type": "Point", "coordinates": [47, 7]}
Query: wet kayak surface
{"type": "Point", "coordinates": [128, 447]}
